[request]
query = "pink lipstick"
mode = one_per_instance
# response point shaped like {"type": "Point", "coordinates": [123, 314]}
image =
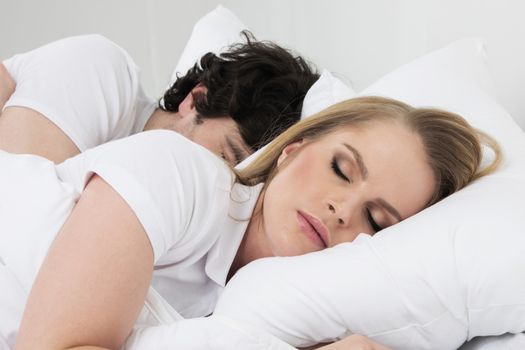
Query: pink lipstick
{"type": "Point", "coordinates": [313, 228]}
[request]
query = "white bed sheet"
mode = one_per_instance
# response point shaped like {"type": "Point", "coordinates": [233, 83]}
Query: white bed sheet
{"type": "Point", "coordinates": [502, 342]}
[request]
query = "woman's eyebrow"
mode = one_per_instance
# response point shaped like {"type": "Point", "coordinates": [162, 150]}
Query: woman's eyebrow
{"type": "Point", "coordinates": [364, 174]}
{"type": "Point", "coordinates": [359, 159]}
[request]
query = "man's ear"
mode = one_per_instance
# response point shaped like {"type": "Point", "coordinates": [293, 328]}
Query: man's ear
{"type": "Point", "coordinates": [288, 150]}
{"type": "Point", "coordinates": [187, 106]}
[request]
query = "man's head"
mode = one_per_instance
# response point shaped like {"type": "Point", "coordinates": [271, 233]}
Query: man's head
{"type": "Point", "coordinates": [241, 99]}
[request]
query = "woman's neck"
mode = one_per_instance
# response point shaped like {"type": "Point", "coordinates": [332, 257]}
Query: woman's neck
{"type": "Point", "coordinates": [253, 245]}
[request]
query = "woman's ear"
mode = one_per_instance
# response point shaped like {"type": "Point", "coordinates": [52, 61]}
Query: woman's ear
{"type": "Point", "coordinates": [187, 106]}
{"type": "Point", "coordinates": [288, 150]}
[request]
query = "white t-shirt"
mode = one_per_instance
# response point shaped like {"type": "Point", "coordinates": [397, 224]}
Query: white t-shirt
{"type": "Point", "coordinates": [33, 207]}
{"type": "Point", "coordinates": [183, 195]}
{"type": "Point", "coordinates": [87, 85]}
{"type": "Point", "coordinates": [186, 199]}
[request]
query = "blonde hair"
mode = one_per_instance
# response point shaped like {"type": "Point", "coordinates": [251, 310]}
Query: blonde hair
{"type": "Point", "coordinates": [453, 147]}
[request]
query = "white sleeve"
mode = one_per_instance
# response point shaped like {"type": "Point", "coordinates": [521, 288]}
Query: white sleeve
{"type": "Point", "coordinates": [162, 176]}
{"type": "Point", "coordinates": [86, 85]}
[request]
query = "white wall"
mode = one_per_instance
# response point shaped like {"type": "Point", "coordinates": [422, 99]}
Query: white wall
{"type": "Point", "coordinates": [360, 39]}
{"type": "Point", "coordinates": [26, 24]}
{"type": "Point", "coordinates": [364, 39]}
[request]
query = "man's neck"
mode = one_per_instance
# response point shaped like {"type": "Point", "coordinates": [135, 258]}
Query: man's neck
{"type": "Point", "coordinates": [159, 119]}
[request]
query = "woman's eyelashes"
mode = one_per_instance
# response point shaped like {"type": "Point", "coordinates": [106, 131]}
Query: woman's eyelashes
{"type": "Point", "coordinates": [373, 224]}
{"type": "Point", "coordinates": [337, 170]}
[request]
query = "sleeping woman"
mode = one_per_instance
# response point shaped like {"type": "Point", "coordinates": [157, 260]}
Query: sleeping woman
{"type": "Point", "coordinates": [83, 241]}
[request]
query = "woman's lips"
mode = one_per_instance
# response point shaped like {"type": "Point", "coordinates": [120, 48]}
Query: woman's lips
{"type": "Point", "coordinates": [313, 228]}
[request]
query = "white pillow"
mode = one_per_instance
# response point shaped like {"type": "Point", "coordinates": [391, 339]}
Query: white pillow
{"type": "Point", "coordinates": [326, 91]}
{"type": "Point", "coordinates": [465, 59]}
{"type": "Point", "coordinates": [214, 32]}
{"type": "Point", "coordinates": [450, 273]}
{"type": "Point", "coordinates": [434, 81]}
{"type": "Point", "coordinates": [219, 29]}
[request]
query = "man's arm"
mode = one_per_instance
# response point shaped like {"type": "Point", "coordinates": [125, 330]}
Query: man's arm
{"type": "Point", "coordinates": [7, 86]}
{"type": "Point", "coordinates": [23, 130]}
{"type": "Point", "coordinates": [85, 92]}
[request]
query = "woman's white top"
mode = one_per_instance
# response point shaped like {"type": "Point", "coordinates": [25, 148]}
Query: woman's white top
{"type": "Point", "coordinates": [187, 202]}
{"type": "Point", "coordinates": [34, 204]}
{"type": "Point", "coordinates": [184, 196]}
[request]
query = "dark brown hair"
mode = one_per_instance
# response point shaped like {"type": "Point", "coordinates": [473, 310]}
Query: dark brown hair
{"type": "Point", "coordinates": [259, 84]}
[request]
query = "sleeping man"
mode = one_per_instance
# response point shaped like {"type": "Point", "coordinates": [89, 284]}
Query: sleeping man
{"type": "Point", "coordinates": [79, 92]}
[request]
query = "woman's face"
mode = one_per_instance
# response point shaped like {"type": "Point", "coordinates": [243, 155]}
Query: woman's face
{"type": "Point", "coordinates": [354, 180]}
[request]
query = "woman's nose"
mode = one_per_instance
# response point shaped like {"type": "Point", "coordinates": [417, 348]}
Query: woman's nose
{"type": "Point", "coordinates": [347, 210]}
{"type": "Point", "coordinates": [332, 209]}
{"type": "Point", "coordinates": [347, 221]}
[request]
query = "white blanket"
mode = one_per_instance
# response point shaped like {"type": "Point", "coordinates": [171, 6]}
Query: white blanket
{"type": "Point", "coordinates": [159, 327]}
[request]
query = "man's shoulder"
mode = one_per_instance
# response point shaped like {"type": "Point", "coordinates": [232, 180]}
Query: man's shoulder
{"type": "Point", "coordinates": [171, 146]}
{"type": "Point", "coordinates": [87, 53]}
{"type": "Point", "coordinates": [95, 45]}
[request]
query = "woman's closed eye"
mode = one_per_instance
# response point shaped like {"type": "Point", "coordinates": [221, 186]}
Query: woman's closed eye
{"type": "Point", "coordinates": [337, 170]}
{"type": "Point", "coordinates": [373, 224]}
